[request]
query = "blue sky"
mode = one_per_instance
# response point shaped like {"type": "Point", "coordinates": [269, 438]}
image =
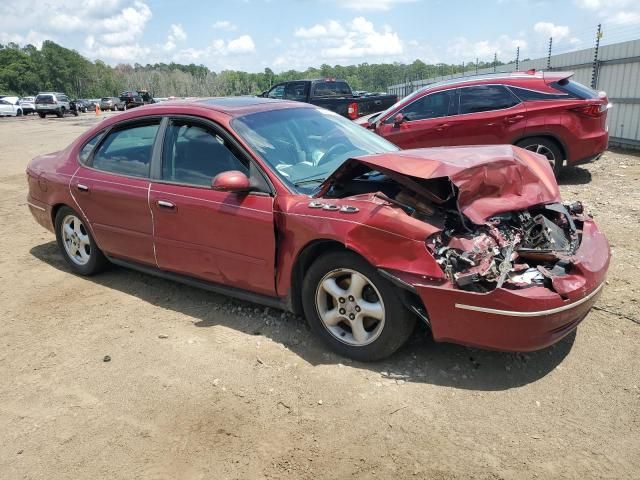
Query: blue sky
{"type": "Point", "coordinates": [254, 34]}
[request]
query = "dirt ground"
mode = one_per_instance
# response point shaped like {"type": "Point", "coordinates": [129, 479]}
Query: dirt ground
{"type": "Point", "coordinates": [200, 386]}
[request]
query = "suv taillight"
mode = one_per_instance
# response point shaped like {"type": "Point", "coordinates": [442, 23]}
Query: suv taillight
{"type": "Point", "coordinates": [591, 110]}
{"type": "Point", "coordinates": [352, 111]}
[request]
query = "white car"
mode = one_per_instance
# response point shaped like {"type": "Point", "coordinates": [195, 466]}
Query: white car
{"type": "Point", "coordinates": [10, 107]}
{"type": "Point", "coordinates": [28, 105]}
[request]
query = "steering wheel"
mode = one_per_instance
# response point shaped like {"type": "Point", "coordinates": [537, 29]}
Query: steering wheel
{"type": "Point", "coordinates": [332, 151]}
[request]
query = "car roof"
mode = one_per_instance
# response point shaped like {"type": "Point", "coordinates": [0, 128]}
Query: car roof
{"type": "Point", "coordinates": [234, 106]}
{"type": "Point", "coordinates": [493, 77]}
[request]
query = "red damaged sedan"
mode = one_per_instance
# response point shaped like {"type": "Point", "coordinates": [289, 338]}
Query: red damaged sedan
{"type": "Point", "coordinates": [294, 207]}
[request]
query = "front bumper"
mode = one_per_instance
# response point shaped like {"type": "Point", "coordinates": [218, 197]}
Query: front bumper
{"type": "Point", "coordinates": [525, 319]}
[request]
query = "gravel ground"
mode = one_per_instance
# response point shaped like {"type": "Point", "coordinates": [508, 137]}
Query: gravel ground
{"type": "Point", "coordinates": [200, 386]}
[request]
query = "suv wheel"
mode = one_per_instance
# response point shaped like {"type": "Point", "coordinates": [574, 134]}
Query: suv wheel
{"type": "Point", "coordinates": [545, 147]}
{"type": "Point", "coordinates": [353, 309]}
{"type": "Point", "coordinates": [60, 112]}
{"type": "Point", "coordinates": [42, 115]}
{"type": "Point", "coordinates": [19, 113]}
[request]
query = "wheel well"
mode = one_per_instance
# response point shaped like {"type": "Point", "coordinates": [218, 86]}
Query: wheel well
{"type": "Point", "coordinates": [551, 138]}
{"type": "Point", "coordinates": [304, 260]}
{"type": "Point", "coordinates": [54, 212]}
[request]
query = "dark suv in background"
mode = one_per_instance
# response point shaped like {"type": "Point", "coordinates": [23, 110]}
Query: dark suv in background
{"type": "Point", "coordinates": [545, 112]}
{"type": "Point", "coordinates": [138, 98]}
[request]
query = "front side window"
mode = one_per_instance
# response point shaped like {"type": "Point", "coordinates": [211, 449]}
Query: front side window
{"type": "Point", "coordinates": [194, 154]}
{"type": "Point", "coordinates": [430, 106]}
{"type": "Point", "coordinates": [127, 151]}
{"type": "Point", "coordinates": [277, 92]}
{"type": "Point", "coordinates": [484, 98]}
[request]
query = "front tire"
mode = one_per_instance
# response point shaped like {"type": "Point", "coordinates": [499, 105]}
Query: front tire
{"type": "Point", "coordinates": [545, 147]}
{"type": "Point", "coordinates": [42, 115]}
{"type": "Point", "coordinates": [78, 247]}
{"type": "Point", "coordinates": [353, 309]}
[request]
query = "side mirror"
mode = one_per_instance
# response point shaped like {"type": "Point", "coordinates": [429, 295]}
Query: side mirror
{"type": "Point", "coordinates": [398, 119]}
{"type": "Point", "coordinates": [231, 181]}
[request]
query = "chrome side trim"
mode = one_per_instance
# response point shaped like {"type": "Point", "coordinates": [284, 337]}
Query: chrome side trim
{"type": "Point", "coordinates": [37, 207]}
{"type": "Point", "coordinates": [540, 313]}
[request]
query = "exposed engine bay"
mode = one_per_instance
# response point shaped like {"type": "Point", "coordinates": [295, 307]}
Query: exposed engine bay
{"type": "Point", "coordinates": [512, 250]}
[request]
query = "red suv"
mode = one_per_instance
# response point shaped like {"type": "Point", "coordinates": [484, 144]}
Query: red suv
{"type": "Point", "coordinates": [545, 112]}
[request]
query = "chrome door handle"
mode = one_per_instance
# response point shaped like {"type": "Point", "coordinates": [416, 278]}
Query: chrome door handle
{"type": "Point", "coordinates": [82, 188]}
{"type": "Point", "coordinates": [165, 204]}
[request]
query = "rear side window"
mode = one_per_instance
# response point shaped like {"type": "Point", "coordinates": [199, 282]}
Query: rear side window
{"type": "Point", "coordinates": [194, 154]}
{"type": "Point", "coordinates": [89, 146]}
{"type": "Point", "coordinates": [484, 98]}
{"type": "Point", "coordinates": [127, 151]}
{"type": "Point", "coordinates": [331, 89]}
{"type": "Point", "coordinates": [296, 91]}
{"type": "Point", "coordinates": [575, 89]}
{"type": "Point", "coordinates": [439, 104]}
{"type": "Point", "coordinates": [533, 95]}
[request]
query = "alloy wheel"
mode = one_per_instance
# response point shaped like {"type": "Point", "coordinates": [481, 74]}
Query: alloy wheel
{"type": "Point", "coordinates": [76, 240]}
{"type": "Point", "coordinates": [350, 307]}
{"type": "Point", "coordinates": [543, 150]}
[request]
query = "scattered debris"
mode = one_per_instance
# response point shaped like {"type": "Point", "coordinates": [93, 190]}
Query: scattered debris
{"type": "Point", "coordinates": [106, 358]}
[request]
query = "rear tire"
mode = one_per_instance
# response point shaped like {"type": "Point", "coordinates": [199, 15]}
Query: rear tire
{"type": "Point", "coordinates": [60, 113]}
{"type": "Point", "coordinates": [42, 115]}
{"type": "Point", "coordinates": [546, 147]}
{"type": "Point", "coordinates": [19, 113]}
{"type": "Point", "coordinates": [78, 247]}
{"type": "Point", "coordinates": [353, 309]}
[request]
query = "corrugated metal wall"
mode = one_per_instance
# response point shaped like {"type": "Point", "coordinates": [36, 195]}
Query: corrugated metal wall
{"type": "Point", "coordinates": [618, 73]}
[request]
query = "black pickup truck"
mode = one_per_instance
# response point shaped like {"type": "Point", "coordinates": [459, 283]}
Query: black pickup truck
{"type": "Point", "coordinates": [133, 99]}
{"type": "Point", "coordinates": [332, 94]}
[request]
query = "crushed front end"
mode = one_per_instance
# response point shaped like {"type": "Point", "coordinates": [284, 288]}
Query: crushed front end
{"type": "Point", "coordinates": [514, 267]}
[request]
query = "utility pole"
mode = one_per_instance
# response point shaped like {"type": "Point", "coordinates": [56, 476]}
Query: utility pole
{"type": "Point", "coordinates": [595, 68]}
{"type": "Point", "coordinates": [518, 58]}
{"type": "Point", "coordinates": [549, 54]}
{"type": "Point", "coordinates": [495, 61]}
{"type": "Point", "coordinates": [463, 69]}
{"type": "Point", "coordinates": [476, 65]}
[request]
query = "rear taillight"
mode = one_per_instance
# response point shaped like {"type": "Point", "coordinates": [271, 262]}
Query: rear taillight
{"type": "Point", "coordinates": [591, 110]}
{"type": "Point", "coordinates": [352, 111]}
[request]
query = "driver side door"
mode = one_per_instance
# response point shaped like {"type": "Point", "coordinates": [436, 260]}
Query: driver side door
{"type": "Point", "coordinates": [222, 237]}
{"type": "Point", "coordinates": [425, 122]}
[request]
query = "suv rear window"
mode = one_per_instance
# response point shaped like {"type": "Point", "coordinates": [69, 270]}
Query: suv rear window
{"type": "Point", "coordinates": [575, 89]}
{"type": "Point", "coordinates": [44, 99]}
{"type": "Point", "coordinates": [331, 89]}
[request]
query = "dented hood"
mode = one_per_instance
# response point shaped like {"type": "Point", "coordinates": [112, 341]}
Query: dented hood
{"type": "Point", "coordinates": [489, 179]}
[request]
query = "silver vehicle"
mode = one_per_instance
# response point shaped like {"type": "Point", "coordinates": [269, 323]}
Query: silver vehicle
{"type": "Point", "coordinates": [112, 103]}
{"type": "Point", "coordinates": [10, 106]}
{"type": "Point", "coordinates": [28, 105]}
{"type": "Point", "coordinates": [53, 103]}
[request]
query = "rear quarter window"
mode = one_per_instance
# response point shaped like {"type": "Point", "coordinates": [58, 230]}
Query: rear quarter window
{"type": "Point", "coordinates": [527, 95]}
{"type": "Point", "coordinates": [88, 147]}
{"type": "Point", "coordinates": [575, 89]}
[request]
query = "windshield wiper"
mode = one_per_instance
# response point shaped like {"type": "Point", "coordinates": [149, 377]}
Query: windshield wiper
{"type": "Point", "coordinates": [305, 181]}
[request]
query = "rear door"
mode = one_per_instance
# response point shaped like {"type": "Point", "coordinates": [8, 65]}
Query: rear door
{"type": "Point", "coordinates": [112, 190]}
{"type": "Point", "coordinates": [426, 122]}
{"type": "Point", "coordinates": [488, 114]}
{"type": "Point", "coordinates": [222, 237]}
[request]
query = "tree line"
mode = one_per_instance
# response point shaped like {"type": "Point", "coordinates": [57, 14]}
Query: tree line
{"type": "Point", "coordinates": [26, 70]}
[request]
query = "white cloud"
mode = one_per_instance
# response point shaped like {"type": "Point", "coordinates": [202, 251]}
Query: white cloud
{"type": "Point", "coordinates": [372, 5]}
{"type": "Point", "coordinates": [176, 35]}
{"type": "Point", "coordinates": [614, 12]}
{"type": "Point", "coordinates": [32, 37]}
{"type": "Point", "coordinates": [462, 48]}
{"type": "Point", "coordinates": [548, 29]}
{"type": "Point", "coordinates": [330, 29]}
{"type": "Point", "coordinates": [338, 41]}
{"type": "Point", "coordinates": [242, 44]}
{"type": "Point", "coordinates": [225, 25]}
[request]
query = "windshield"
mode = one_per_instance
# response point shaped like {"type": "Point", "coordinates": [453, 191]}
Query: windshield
{"type": "Point", "coordinates": [304, 145]}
